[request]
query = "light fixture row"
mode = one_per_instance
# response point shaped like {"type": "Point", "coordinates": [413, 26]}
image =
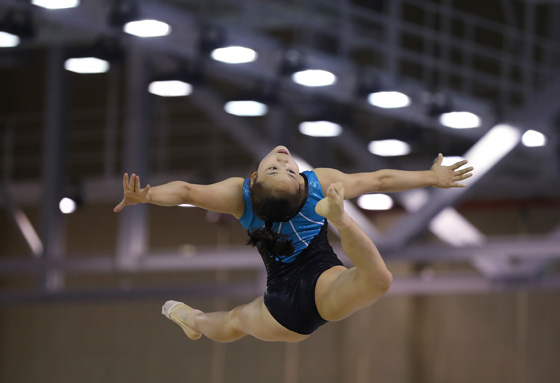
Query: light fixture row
{"type": "Point", "coordinates": [310, 77]}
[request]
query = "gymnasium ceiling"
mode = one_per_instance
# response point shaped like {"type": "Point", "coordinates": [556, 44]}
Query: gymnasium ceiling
{"type": "Point", "coordinates": [498, 59]}
{"type": "Point", "coordinates": [492, 58]}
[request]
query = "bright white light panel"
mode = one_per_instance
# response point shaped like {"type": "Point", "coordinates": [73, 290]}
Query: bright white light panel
{"type": "Point", "coordinates": [56, 4]}
{"type": "Point", "coordinates": [147, 28]}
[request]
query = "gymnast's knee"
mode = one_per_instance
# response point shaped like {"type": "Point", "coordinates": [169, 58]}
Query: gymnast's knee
{"type": "Point", "coordinates": [379, 283]}
{"type": "Point", "coordinates": [384, 282]}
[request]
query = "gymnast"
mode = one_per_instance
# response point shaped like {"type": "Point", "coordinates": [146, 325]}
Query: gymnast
{"type": "Point", "coordinates": [286, 214]}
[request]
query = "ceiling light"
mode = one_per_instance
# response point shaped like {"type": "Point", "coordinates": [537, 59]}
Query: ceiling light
{"type": "Point", "coordinates": [246, 108]}
{"type": "Point", "coordinates": [234, 55]}
{"type": "Point", "coordinates": [56, 4]}
{"type": "Point", "coordinates": [171, 88]}
{"type": "Point", "coordinates": [532, 138]}
{"type": "Point", "coordinates": [67, 205]}
{"type": "Point", "coordinates": [389, 148]}
{"type": "Point", "coordinates": [314, 77]}
{"type": "Point", "coordinates": [86, 65]}
{"type": "Point", "coordinates": [147, 28]}
{"type": "Point", "coordinates": [389, 100]}
{"type": "Point", "coordinates": [459, 120]}
{"type": "Point", "coordinates": [320, 128]}
{"type": "Point", "coordinates": [375, 202]}
{"type": "Point", "coordinates": [8, 40]}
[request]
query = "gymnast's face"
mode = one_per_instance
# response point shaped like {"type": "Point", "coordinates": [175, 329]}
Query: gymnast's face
{"type": "Point", "coordinates": [278, 171]}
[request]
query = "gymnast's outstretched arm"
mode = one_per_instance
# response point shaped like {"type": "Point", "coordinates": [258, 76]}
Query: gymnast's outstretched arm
{"type": "Point", "coordinates": [389, 180]}
{"type": "Point", "coordinates": [223, 197]}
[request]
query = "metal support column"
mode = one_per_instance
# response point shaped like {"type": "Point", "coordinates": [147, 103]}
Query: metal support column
{"type": "Point", "coordinates": [54, 166]}
{"type": "Point", "coordinates": [112, 118]}
{"type": "Point", "coordinates": [133, 224]}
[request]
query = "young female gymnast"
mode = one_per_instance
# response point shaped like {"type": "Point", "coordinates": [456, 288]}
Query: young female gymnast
{"type": "Point", "coordinates": [285, 213]}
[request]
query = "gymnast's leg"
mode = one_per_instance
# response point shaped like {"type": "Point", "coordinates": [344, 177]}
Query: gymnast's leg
{"type": "Point", "coordinates": [227, 326]}
{"type": "Point", "coordinates": [340, 291]}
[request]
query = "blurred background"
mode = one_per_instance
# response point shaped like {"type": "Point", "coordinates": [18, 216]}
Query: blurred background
{"type": "Point", "coordinates": [200, 90]}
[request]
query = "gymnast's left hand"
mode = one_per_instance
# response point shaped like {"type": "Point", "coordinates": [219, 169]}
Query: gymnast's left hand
{"type": "Point", "coordinates": [133, 194]}
{"type": "Point", "coordinates": [448, 176]}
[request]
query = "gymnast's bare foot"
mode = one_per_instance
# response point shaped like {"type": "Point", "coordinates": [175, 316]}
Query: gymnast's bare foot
{"type": "Point", "coordinates": [332, 206]}
{"type": "Point", "coordinates": [183, 315]}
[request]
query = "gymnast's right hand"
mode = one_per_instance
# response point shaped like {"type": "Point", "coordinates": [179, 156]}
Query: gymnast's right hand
{"type": "Point", "coordinates": [133, 194]}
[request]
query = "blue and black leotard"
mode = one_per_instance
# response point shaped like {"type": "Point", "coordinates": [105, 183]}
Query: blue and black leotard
{"type": "Point", "coordinates": [291, 280]}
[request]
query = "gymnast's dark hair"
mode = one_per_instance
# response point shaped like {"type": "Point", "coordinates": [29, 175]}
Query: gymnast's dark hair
{"type": "Point", "coordinates": [273, 208]}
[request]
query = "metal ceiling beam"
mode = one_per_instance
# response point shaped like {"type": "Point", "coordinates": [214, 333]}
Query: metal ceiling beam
{"type": "Point", "coordinates": [512, 249]}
